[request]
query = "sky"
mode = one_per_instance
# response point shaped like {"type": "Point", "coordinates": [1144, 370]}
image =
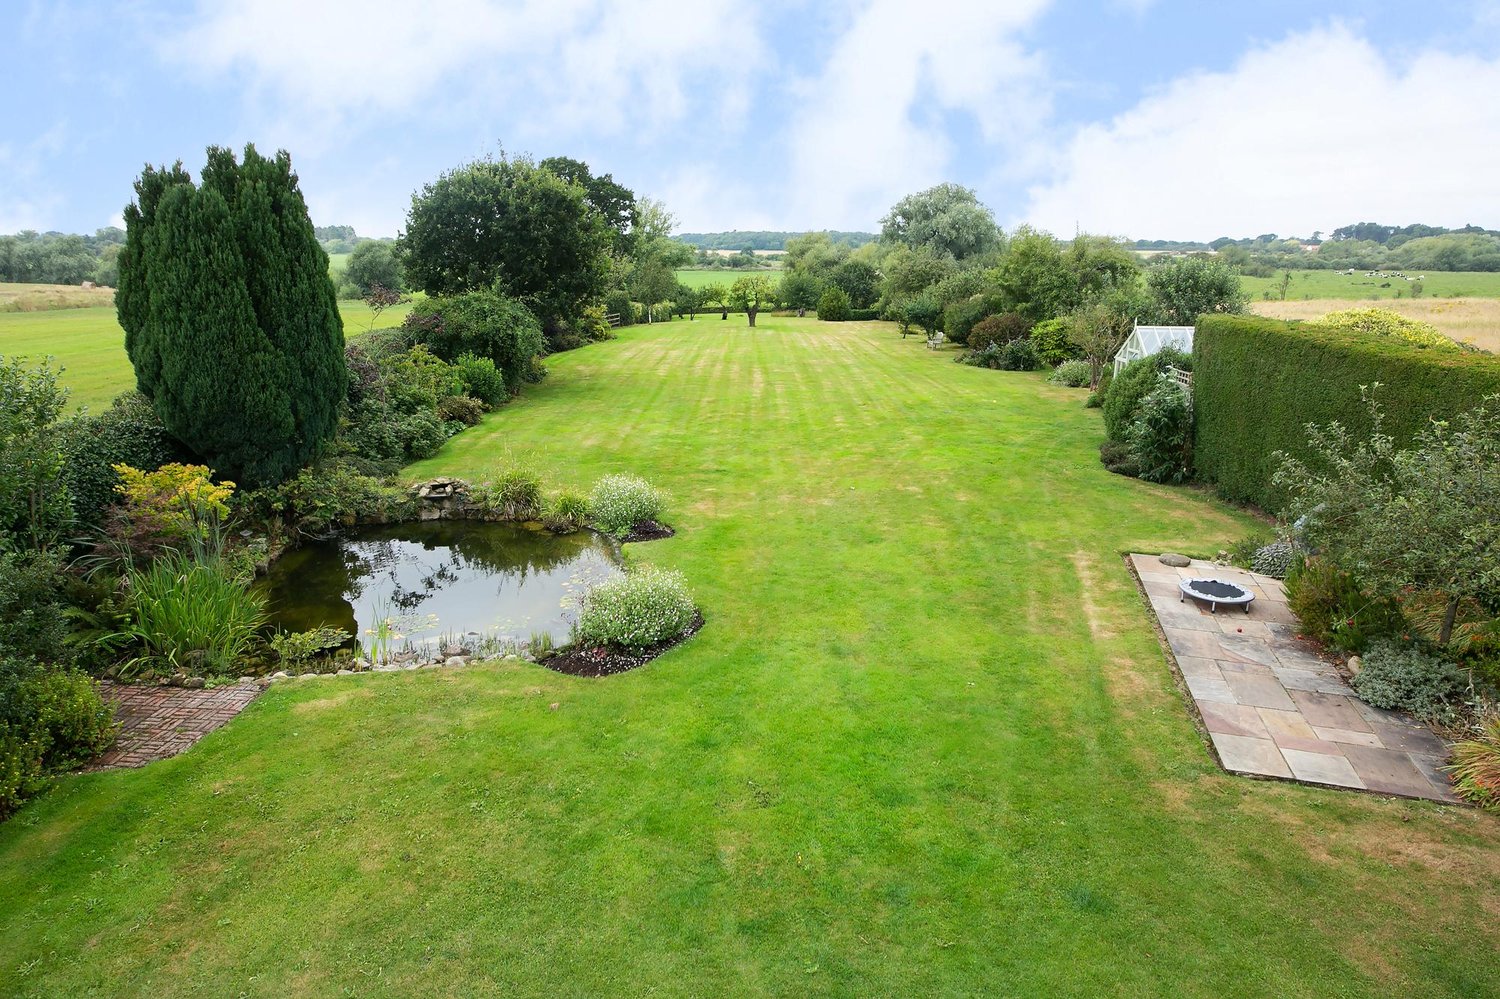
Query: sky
{"type": "Point", "coordinates": [1152, 119]}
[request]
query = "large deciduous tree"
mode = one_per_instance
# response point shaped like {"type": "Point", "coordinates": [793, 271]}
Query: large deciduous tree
{"type": "Point", "coordinates": [510, 225]}
{"type": "Point", "coordinates": [372, 263]}
{"type": "Point", "coordinates": [614, 203]}
{"type": "Point", "coordinates": [230, 318]}
{"type": "Point", "coordinates": [948, 218]}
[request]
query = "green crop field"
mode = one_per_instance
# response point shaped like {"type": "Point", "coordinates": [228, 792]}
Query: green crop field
{"type": "Point", "coordinates": [90, 345]}
{"type": "Point", "coordinates": [698, 277]}
{"type": "Point", "coordinates": [1334, 284]}
{"type": "Point", "coordinates": [927, 743]}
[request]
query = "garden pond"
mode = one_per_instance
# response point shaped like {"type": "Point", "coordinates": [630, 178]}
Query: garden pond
{"type": "Point", "coordinates": [440, 581]}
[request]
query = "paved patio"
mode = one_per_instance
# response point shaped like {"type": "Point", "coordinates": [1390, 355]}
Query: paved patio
{"type": "Point", "coordinates": [1272, 707]}
{"type": "Point", "coordinates": [158, 722]}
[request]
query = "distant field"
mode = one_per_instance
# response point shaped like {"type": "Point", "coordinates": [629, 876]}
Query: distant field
{"type": "Point", "coordinates": [1471, 320]}
{"type": "Point", "coordinates": [40, 297]}
{"type": "Point", "coordinates": [1333, 284]}
{"type": "Point", "coordinates": [90, 346]}
{"type": "Point", "coordinates": [696, 277]}
{"type": "Point", "coordinates": [337, 262]}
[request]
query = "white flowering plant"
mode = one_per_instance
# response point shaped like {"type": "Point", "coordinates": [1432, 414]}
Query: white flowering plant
{"type": "Point", "coordinates": [634, 612]}
{"type": "Point", "coordinates": [619, 502]}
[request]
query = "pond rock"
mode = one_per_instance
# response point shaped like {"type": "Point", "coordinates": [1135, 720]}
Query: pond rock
{"type": "Point", "coordinates": [1175, 560]}
{"type": "Point", "coordinates": [441, 497]}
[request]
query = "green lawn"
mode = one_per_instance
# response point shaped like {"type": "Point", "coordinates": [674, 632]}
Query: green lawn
{"type": "Point", "coordinates": [1334, 284]}
{"type": "Point", "coordinates": [90, 345]}
{"type": "Point", "coordinates": [926, 744]}
{"type": "Point", "coordinates": [695, 277]}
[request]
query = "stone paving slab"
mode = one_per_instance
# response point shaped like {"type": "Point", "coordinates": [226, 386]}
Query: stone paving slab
{"type": "Point", "coordinates": [158, 722]}
{"type": "Point", "coordinates": [1272, 706]}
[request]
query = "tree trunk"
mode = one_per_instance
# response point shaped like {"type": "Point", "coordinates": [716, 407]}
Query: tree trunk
{"type": "Point", "coordinates": [1446, 632]}
{"type": "Point", "coordinates": [751, 313]}
{"type": "Point", "coordinates": [724, 313]}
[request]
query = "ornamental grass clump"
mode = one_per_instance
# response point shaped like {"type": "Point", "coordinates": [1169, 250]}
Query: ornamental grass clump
{"type": "Point", "coordinates": [566, 514]}
{"type": "Point", "coordinates": [619, 502]}
{"type": "Point", "coordinates": [515, 495]}
{"type": "Point", "coordinates": [187, 614]}
{"type": "Point", "coordinates": [1476, 767]}
{"type": "Point", "coordinates": [645, 608]}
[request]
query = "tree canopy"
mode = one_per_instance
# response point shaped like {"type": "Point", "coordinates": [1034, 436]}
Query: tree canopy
{"type": "Point", "coordinates": [948, 218]}
{"type": "Point", "coordinates": [511, 225]}
{"type": "Point", "coordinates": [752, 293]}
{"type": "Point", "coordinates": [614, 203]}
{"type": "Point", "coordinates": [373, 262]}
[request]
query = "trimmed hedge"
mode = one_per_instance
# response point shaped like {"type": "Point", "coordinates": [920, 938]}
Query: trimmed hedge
{"type": "Point", "coordinates": [1257, 383]}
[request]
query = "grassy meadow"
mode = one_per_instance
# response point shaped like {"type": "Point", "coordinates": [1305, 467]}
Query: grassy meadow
{"type": "Point", "coordinates": [927, 743]}
{"type": "Point", "coordinates": [90, 345]}
{"type": "Point", "coordinates": [698, 277]}
{"type": "Point", "coordinates": [1333, 284]}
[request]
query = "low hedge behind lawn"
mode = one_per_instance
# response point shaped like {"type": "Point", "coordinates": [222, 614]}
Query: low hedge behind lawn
{"type": "Point", "coordinates": [1257, 383]}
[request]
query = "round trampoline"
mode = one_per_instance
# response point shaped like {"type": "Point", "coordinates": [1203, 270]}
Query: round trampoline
{"type": "Point", "coordinates": [1216, 592]}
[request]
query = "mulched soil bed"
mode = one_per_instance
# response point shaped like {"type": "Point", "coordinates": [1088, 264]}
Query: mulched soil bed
{"type": "Point", "coordinates": [648, 530]}
{"type": "Point", "coordinates": [602, 662]}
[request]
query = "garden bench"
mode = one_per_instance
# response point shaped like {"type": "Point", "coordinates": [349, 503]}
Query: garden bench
{"type": "Point", "coordinates": [935, 341]}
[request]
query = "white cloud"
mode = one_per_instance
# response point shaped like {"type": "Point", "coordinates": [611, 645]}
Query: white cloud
{"type": "Point", "coordinates": [1315, 131]}
{"type": "Point", "coordinates": [871, 128]}
{"type": "Point", "coordinates": [545, 65]}
{"type": "Point", "coordinates": [703, 200]}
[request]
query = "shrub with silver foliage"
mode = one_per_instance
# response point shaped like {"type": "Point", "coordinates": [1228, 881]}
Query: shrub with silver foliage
{"type": "Point", "coordinates": [1273, 560]}
{"type": "Point", "coordinates": [1073, 374]}
{"type": "Point", "coordinates": [1407, 679]}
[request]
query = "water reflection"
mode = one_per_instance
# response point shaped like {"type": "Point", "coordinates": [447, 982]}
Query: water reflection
{"type": "Point", "coordinates": [440, 578]}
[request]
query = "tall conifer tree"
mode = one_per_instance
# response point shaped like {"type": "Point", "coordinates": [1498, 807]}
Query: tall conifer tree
{"type": "Point", "coordinates": [230, 318]}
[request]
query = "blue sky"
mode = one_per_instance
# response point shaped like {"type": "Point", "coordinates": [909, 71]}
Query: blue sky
{"type": "Point", "coordinates": [1146, 118]}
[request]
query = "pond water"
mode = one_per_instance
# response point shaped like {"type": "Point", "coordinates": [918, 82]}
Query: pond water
{"type": "Point", "coordinates": [440, 579]}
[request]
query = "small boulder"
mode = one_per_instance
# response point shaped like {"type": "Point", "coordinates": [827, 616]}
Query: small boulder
{"type": "Point", "coordinates": [1355, 665]}
{"type": "Point", "coordinates": [282, 675]}
{"type": "Point", "coordinates": [346, 672]}
{"type": "Point", "coordinates": [455, 661]}
{"type": "Point", "coordinates": [1175, 560]}
{"type": "Point", "coordinates": [195, 683]}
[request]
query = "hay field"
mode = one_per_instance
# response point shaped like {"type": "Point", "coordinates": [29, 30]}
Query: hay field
{"type": "Point", "coordinates": [1468, 320]}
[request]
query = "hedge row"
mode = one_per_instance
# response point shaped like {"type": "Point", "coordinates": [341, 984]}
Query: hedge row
{"type": "Point", "coordinates": [1257, 383]}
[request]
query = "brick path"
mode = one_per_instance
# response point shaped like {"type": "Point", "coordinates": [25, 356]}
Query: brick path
{"type": "Point", "coordinates": [158, 722]}
{"type": "Point", "coordinates": [1272, 707]}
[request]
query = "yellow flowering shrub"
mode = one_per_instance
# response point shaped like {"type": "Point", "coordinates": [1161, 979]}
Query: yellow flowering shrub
{"type": "Point", "coordinates": [176, 500]}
